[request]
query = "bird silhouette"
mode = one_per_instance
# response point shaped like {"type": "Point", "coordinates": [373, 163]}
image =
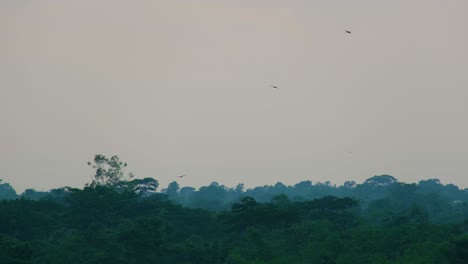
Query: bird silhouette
{"type": "Point", "coordinates": [274, 86]}
{"type": "Point", "coordinates": [348, 31]}
{"type": "Point", "coordinates": [181, 176]}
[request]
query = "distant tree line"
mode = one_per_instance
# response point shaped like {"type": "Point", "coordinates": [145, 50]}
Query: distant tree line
{"type": "Point", "coordinates": [119, 219]}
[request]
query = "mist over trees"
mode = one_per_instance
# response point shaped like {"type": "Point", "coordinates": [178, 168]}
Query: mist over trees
{"type": "Point", "coordinates": [6, 191]}
{"type": "Point", "coordinates": [117, 218]}
{"type": "Point", "coordinates": [381, 196]}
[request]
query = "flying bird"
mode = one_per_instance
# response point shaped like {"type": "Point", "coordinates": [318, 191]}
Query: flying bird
{"type": "Point", "coordinates": [348, 31]}
{"type": "Point", "coordinates": [274, 86]}
{"type": "Point", "coordinates": [181, 176]}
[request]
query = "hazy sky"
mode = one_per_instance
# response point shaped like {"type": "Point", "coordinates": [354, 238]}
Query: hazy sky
{"type": "Point", "coordinates": [183, 87]}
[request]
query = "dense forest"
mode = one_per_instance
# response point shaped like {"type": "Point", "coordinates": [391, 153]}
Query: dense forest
{"type": "Point", "coordinates": [118, 218]}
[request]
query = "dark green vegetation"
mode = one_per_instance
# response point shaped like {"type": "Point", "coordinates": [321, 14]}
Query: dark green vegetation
{"type": "Point", "coordinates": [118, 219]}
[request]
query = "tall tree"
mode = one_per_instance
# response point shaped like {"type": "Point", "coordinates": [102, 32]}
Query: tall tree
{"type": "Point", "coordinates": [109, 171]}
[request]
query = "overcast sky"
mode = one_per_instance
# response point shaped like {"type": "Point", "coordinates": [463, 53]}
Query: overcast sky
{"type": "Point", "coordinates": [183, 87]}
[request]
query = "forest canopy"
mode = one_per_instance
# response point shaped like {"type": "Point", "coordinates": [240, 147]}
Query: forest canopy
{"type": "Point", "coordinates": [118, 218]}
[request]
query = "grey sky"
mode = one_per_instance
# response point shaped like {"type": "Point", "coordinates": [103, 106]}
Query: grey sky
{"type": "Point", "coordinates": [183, 87]}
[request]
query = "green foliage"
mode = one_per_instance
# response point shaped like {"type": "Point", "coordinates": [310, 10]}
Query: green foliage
{"type": "Point", "coordinates": [212, 197]}
{"type": "Point", "coordinates": [102, 224]}
{"type": "Point", "coordinates": [6, 191]}
{"type": "Point", "coordinates": [109, 171]}
{"type": "Point", "coordinates": [33, 194]}
{"type": "Point", "coordinates": [98, 205]}
{"type": "Point", "coordinates": [121, 220]}
{"type": "Point", "coordinates": [172, 189]}
{"type": "Point", "coordinates": [14, 251]}
{"type": "Point", "coordinates": [143, 239]}
{"type": "Point", "coordinates": [28, 219]}
{"type": "Point", "coordinates": [142, 187]}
